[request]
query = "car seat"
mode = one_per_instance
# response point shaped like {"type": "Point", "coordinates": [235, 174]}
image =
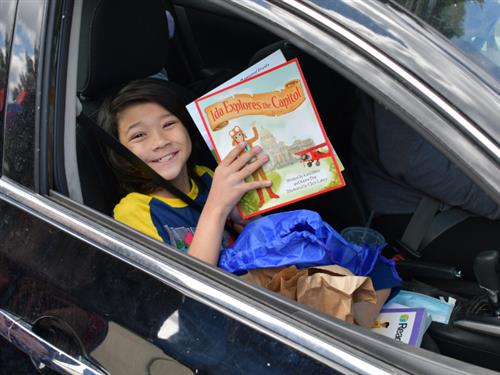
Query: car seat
{"type": "Point", "coordinates": [120, 40]}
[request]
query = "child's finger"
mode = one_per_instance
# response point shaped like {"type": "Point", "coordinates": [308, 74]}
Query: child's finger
{"type": "Point", "coordinates": [250, 168]}
{"type": "Point", "coordinates": [233, 154]}
{"type": "Point", "coordinates": [253, 185]}
{"type": "Point", "coordinates": [245, 158]}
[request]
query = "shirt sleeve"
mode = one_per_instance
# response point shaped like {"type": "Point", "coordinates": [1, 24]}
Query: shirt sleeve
{"type": "Point", "coordinates": [201, 170]}
{"type": "Point", "coordinates": [134, 211]}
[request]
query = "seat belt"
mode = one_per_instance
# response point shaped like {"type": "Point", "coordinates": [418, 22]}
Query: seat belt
{"type": "Point", "coordinates": [110, 141]}
{"type": "Point", "coordinates": [427, 224]}
{"type": "Point", "coordinates": [419, 225]}
{"type": "Point", "coordinates": [442, 222]}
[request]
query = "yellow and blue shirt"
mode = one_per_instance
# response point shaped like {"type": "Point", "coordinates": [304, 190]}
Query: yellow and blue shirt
{"type": "Point", "coordinates": [170, 220]}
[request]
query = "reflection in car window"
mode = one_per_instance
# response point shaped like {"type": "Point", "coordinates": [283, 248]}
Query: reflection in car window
{"type": "Point", "coordinates": [7, 15]}
{"type": "Point", "coordinates": [210, 342]}
{"type": "Point", "coordinates": [471, 25]}
{"type": "Point", "coordinates": [20, 97]}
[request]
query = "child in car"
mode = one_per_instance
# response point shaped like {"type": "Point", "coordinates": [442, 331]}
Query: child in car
{"type": "Point", "coordinates": [149, 118]}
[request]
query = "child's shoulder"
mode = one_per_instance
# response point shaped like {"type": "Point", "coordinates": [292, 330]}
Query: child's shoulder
{"type": "Point", "coordinates": [134, 210]}
{"type": "Point", "coordinates": [131, 203]}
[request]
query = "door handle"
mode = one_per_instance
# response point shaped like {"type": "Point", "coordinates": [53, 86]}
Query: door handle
{"type": "Point", "coordinates": [20, 334]}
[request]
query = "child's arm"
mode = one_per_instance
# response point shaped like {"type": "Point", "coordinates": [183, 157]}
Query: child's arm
{"type": "Point", "coordinates": [228, 186]}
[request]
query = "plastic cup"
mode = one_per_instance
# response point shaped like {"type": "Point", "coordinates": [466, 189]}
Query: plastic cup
{"type": "Point", "coordinates": [363, 236]}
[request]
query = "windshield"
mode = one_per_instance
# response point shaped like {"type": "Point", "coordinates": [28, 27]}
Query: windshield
{"type": "Point", "coordinates": [471, 25]}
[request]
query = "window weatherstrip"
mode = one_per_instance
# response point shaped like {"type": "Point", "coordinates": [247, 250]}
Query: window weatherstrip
{"type": "Point", "coordinates": [70, 147]}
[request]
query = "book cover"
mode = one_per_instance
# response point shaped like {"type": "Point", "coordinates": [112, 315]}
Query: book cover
{"type": "Point", "coordinates": [274, 59]}
{"type": "Point", "coordinates": [404, 324]}
{"type": "Point", "coordinates": [273, 109]}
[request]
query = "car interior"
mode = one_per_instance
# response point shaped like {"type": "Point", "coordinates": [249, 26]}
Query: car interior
{"type": "Point", "coordinates": [120, 41]}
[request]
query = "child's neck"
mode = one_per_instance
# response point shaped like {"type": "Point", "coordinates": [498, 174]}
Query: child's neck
{"type": "Point", "coordinates": [182, 182]}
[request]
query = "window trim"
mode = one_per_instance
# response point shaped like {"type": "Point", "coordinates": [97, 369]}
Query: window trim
{"type": "Point", "coordinates": [71, 108]}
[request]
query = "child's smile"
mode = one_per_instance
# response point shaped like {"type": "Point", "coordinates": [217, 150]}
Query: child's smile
{"type": "Point", "coordinates": [158, 138]}
{"type": "Point", "coordinates": [165, 158]}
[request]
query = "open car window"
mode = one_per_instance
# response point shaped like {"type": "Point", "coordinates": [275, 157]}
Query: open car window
{"type": "Point", "coordinates": [340, 85]}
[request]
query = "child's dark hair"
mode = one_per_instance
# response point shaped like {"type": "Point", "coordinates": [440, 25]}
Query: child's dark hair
{"type": "Point", "coordinates": [149, 90]}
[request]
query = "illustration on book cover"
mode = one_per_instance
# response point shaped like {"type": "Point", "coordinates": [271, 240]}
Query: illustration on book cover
{"type": "Point", "coordinates": [274, 110]}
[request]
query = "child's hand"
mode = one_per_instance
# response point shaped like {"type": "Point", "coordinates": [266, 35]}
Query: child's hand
{"type": "Point", "coordinates": [228, 184]}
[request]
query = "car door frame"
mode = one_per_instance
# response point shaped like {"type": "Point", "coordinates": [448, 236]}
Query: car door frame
{"type": "Point", "coordinates": [281, 20]}
{"type": "Point", "coordinates": [335, 343]}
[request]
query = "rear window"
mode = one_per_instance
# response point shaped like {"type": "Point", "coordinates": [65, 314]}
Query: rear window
{"type": "Point", "coordinates": [471, 25]}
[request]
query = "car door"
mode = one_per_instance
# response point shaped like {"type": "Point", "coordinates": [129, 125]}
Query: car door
{"type": "Point", "coordinates": [112, 299]}
{"type": "Point", "coordinates": [70, 304]}
{"type": "Point", "coordinates": [378, 47]}
{"type": "Point", "coordinates": [80, 293]}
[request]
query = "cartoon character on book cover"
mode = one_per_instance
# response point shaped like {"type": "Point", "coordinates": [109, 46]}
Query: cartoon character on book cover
{"type": "Point", "coordinates": [238, 136]}
{"type": "Point", "coordinates": [274, 110]}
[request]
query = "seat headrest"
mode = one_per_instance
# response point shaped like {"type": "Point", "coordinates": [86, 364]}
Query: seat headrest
{"type": "Point", "coordinates": [120, 40]}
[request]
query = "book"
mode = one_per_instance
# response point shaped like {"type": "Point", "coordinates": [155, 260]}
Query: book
{"type": "Point", "coordinates": [272, 108]}
{"type": "Point", "coordinates": [274, 59]}
{"type": "Point", "coordinates": [401, 323]}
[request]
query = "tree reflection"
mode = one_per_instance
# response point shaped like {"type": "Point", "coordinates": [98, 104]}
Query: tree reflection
{"type": "Point", "coordinates": [27, 81]}
{"type": "Point", "coordinates": [19, 132]}
{"type": "Point", "coordinates": [3, 78]}
{"type": "Point", "coordinates": [447, 16]}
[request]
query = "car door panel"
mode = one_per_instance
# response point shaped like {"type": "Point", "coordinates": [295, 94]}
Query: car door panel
{"type": "Point", "coordinates": [49, 275]}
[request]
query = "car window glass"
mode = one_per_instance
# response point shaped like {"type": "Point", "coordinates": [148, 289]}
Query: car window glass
{"type": "Point", "coordinates": [471, 25]}
{"type": "Point", "coordinates": [7, 16]}
{"type": "Point", "coordinates": [19, 135]}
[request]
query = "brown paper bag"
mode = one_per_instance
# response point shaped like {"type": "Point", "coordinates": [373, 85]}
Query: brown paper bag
{"type": "Point", "coordinates": [329, 289]}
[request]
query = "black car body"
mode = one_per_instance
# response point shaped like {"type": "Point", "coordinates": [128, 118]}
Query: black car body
{"type": "Point", "coordinates": [81, 293]}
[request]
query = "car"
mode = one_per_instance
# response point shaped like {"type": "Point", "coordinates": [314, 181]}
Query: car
{"type": "Point", "coordinates": [81, 293]}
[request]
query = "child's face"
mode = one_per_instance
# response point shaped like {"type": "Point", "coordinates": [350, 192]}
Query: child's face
{"type": "Point", "coordinates": [157, 137]}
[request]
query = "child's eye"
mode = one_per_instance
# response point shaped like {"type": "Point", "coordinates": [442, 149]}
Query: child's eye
{"type": "Point", "coordinates": [169, 124]}
{"type": "Point", "coordinates": [136, 136]}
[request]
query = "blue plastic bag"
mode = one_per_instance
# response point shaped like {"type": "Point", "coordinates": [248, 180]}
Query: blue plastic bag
{"type": "Point", "coordinates": [299, 238]}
